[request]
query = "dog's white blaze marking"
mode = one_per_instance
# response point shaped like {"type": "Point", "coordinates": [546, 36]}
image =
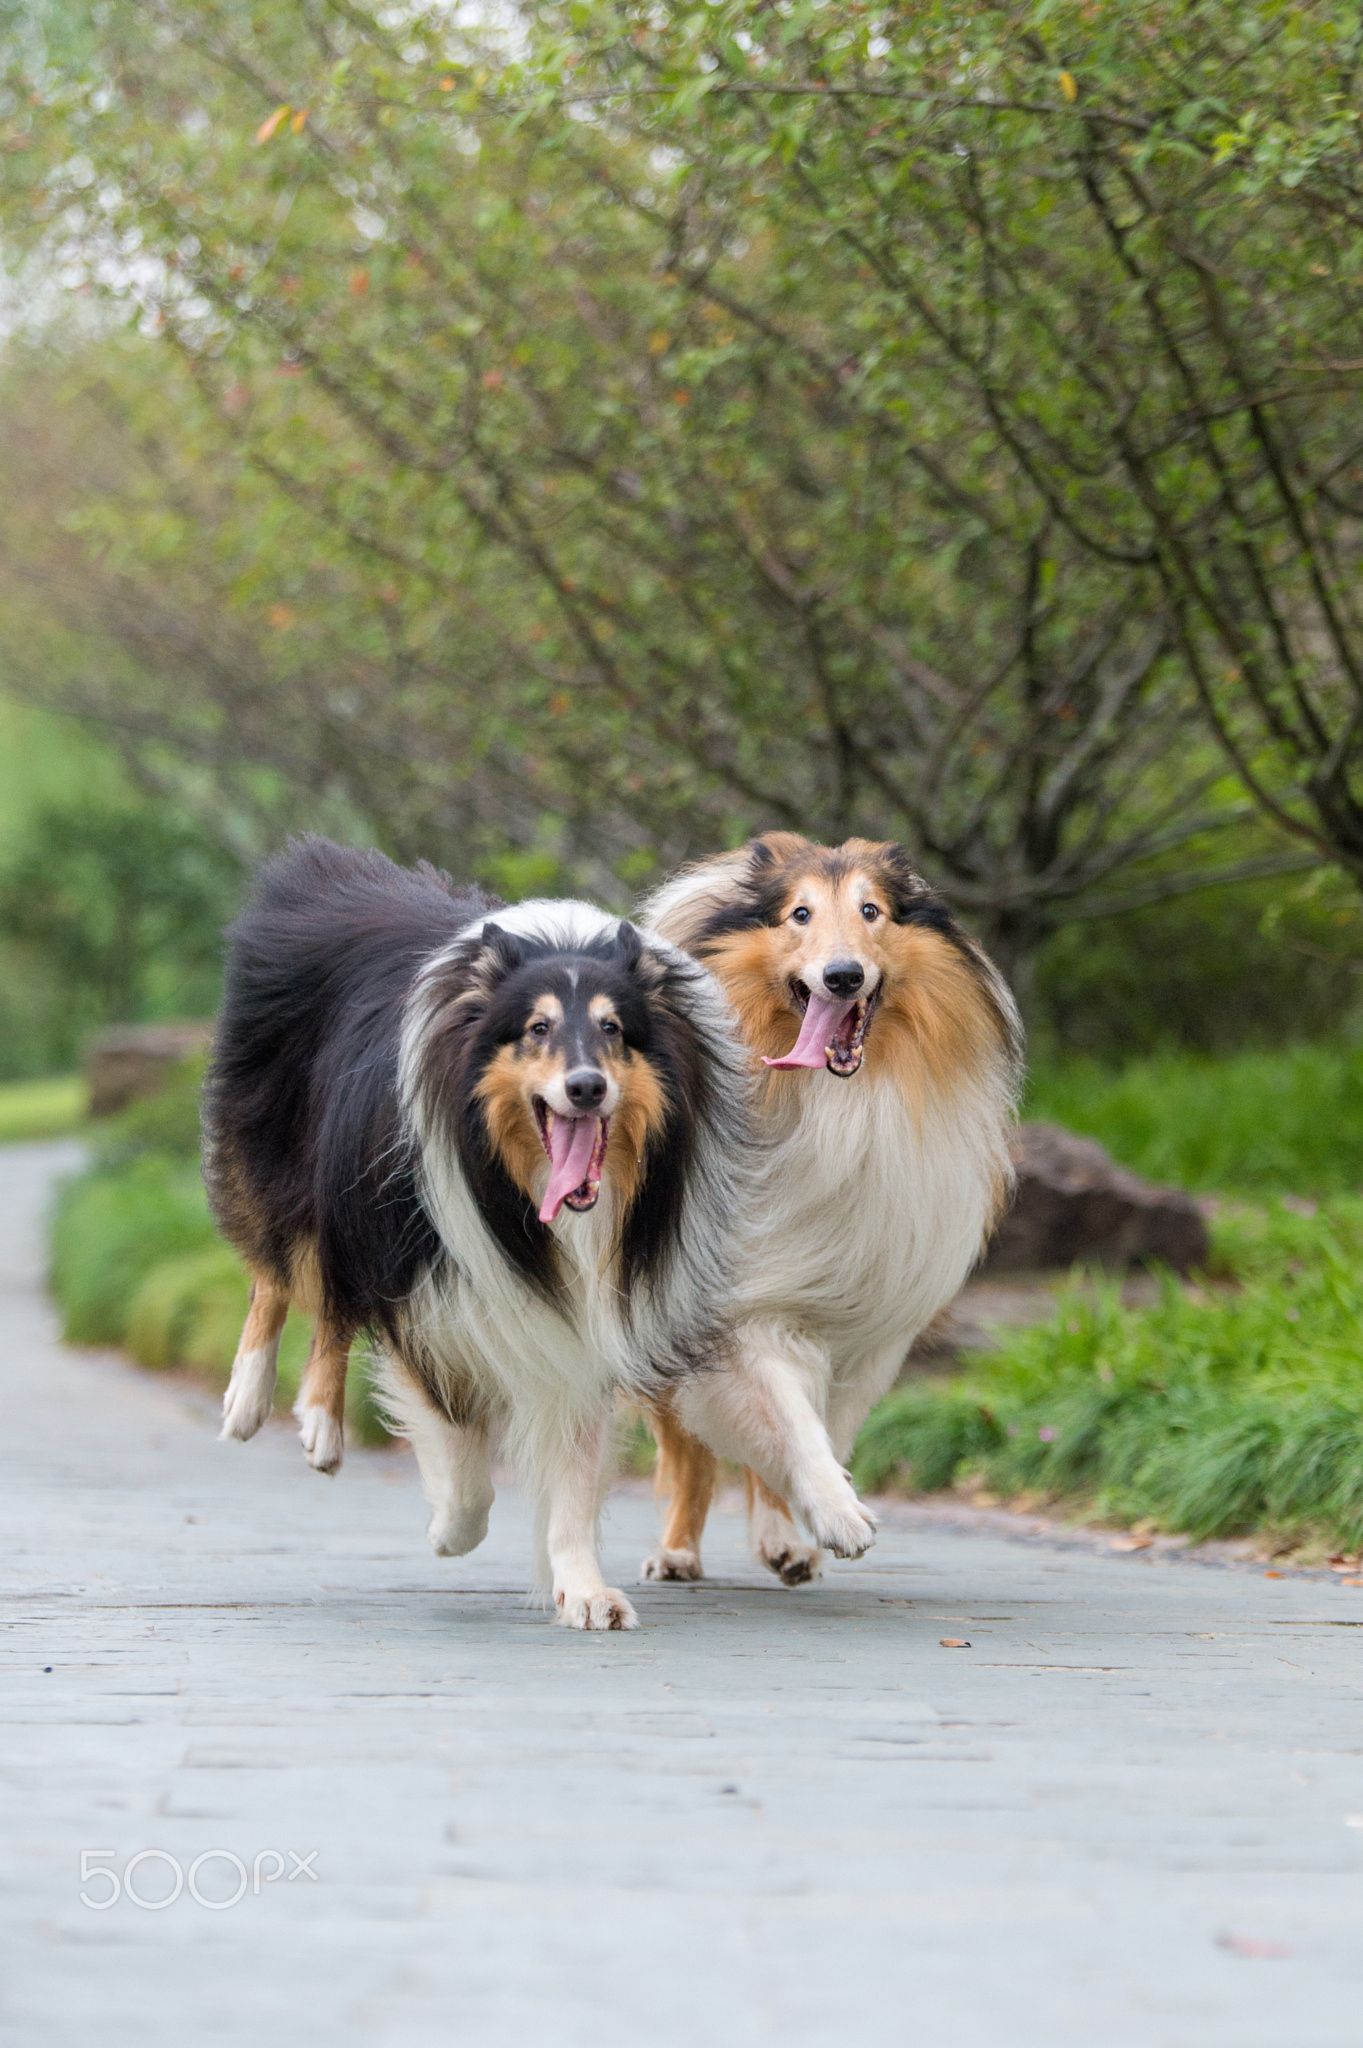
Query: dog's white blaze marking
{"type": "Point", "coordinates": [250, 1392]}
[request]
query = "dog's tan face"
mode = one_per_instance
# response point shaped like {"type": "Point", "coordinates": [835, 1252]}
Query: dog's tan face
{"type": "Point", "coordinates": [833, 945]}
{"type": "Point", "coordinates": [832, 954]}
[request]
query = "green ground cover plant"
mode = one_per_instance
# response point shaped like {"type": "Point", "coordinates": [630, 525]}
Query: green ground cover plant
{"type": "Point", "coordinates": [136, 1262]}
{"type": "Point", "coordinates": [1229, 1407]}
{"type": "Point", "coordinates": [1248, 1123]}
{"type": "Point", "coordinates": [41, 1109]}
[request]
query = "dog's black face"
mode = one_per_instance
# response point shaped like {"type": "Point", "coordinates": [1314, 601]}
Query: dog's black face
{"type": "Point", "coordinates": [567, 1010]}
{"type": "Point", "coordinates": [590, 1053]}
{"type": "Point", "coordinates": [563, 1051]}
{"type": "Point", "coordinates": [555, 1060]}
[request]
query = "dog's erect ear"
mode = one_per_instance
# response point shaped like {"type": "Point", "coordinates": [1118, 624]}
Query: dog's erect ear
{"type": "Point", "coordinates": [503, 952]}
{"type": "Point", "coordinates": [635, 957]}
{"type": "Point", "coordinates": [904, 885]}
{"type": "Point", "coordinates": [628, 945]}
{"type": "Point", "coordinates": [768, 849]}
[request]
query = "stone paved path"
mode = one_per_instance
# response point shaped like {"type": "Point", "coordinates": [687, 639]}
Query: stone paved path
{"type": "Point", "coordinates": [1130, 1813]}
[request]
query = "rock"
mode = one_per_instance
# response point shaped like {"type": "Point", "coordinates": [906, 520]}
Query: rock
{"type": "Point", "coordinates": [131, 1061]}
{"type": "Point", "coordinates": [1075, 1202]}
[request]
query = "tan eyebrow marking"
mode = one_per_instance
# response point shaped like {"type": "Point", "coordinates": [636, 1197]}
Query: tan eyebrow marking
{"type": "Point", "coordinates": [547, 1008]}
{"type": "Point", "coordinates": [603, 1009]}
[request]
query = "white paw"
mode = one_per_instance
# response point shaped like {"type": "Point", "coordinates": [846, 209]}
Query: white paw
{"type": "Point", "coordinates": [839, 1522]}
{"type": "Point", "coordinates": [249, 1396]}
{"type": "Point", "coordinates": [793, 1562]}
{"type": "Point", "coordinates": [454, 1532]}
{"type": "Point", "coordinates": [603, 1609]}
{"type": "Point", "coordinates": [322, 1438]}
{"type": "Point", "coordinates": [672, 1564]}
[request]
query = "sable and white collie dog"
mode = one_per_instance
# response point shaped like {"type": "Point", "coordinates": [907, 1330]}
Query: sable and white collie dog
{"type": "Point", "coordinates": [891, 1056]}
{"type": "Point", "coordinates": [509, 1148]}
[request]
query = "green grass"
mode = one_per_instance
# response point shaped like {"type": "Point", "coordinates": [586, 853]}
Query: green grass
{"type": "Point", "coordinates": [136, 1261]}
{"type": "Point", "coordinates": [1253, 1123]}
{"type": "Point", "coordinates": [41, 1109]}
{"type": "Point", "coordinates": [1216, 1412]}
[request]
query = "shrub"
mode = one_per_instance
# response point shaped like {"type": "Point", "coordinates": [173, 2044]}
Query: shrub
{"type": "Point", "coordinates": [1213, 1412]}
{"type": "Point", "coordinates": [41, 1109]}
{"type": "Point", "coordinates": [111, 1229]}
{"type": "Point", "coordinates": [1254, 1122]}
{"type": "Point", "coordinates": [166, 1123]}
{"type": "Point", "coordinates": [136, 1260]}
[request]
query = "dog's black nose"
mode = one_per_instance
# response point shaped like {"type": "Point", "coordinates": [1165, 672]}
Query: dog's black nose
{"type": "Point", "coordinates": [843, 977]}
{"type": "Point", "coordinates": [585, 1087]}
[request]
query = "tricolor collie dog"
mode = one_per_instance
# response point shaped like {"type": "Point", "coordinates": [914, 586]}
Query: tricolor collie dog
{"type": "Point", "coordinates": [890, 1057]}
{"type": "Point", "coordinates": [507, 1145]}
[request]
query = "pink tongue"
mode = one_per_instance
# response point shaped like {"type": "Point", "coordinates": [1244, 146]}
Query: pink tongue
{"type": "Point", "coordinates": [821, 1020]}
{"type": "Point", "coordinates": [572, 1140]}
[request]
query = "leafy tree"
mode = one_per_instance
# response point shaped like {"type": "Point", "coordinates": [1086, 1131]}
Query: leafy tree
{"type": "Point", "coordinates": [604, 431]}
{"type": "Point", "coordinates": [1128, 239]}
{"type": "Point", "coordinates": [120, 904]}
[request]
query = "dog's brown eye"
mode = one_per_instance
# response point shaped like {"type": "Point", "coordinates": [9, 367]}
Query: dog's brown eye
{"type": "Point", "coordinates": [870, 911]}
{"type": "Point", "coordinates": [610, 1027]}
{"type": "Point", "coordinates": [800, 915]}
{"type": "Point", "coordinates": [540, 1028]}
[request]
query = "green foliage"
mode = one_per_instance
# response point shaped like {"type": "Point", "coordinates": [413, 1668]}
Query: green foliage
{"type": "Point", "coordinates": [1262, 964]}
{"type": "Point", "coordinates": [559, 446]}
{"type": "Point", "coordinates": [119, 902]}
{"type": "Point", "coordinates": [42, 759]}
{"type": "Point", "coordinates": [111, 1229]}
{"type": "Point", "coordinates": [165, 1123]}
{"type": "Point", "coordinates": [1252, 1122]}
{"type": "Point", "coordinates": [1212, 1413]}
{"type": "Point", "coordinates": [111, 901]}
{"type": "Point", "coordinates": [41, 1109]}
{"type": "Point", "coordinates": [136, 1262]}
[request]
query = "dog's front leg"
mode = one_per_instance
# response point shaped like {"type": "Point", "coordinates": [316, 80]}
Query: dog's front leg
{"type": "Point", "coordinates": [572, 1483]}
{"type": "Point", "coordinates": [456, 1470]}
{"type": "Point", "coordinates": [757, 1409]}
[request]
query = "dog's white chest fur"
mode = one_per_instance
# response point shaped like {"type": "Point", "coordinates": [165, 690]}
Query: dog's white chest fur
{"type": "Point", "coordinates": [869, 1216]}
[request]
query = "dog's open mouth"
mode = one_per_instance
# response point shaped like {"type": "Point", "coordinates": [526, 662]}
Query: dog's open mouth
{"type": "Point", "coordinates": [576, 1146]}
{"type": "Point", "coordinates": [832, 1033]}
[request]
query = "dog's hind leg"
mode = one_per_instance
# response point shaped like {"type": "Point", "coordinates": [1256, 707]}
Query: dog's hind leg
{"type": "Point", "coordinates": [320, 1407]}
{"type": "Point", "coordinates": [757, 1409]}
{"type": "Point", "coordinates": [250, 1391]}
{"type": "Point", "coordinates": [686, 1480]}
{"type": "Point", "coordinates": [776, 1542]}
